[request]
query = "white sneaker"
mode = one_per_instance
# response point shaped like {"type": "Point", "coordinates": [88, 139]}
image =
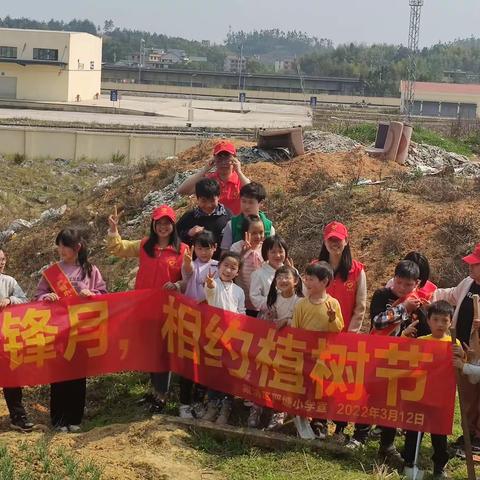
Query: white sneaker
{"type": "Point", "coordinates": [61, 429]}
{"type": "Point", "coordinates": [74, 428]}
{"type": "Point", "coordinates": [185, 411]}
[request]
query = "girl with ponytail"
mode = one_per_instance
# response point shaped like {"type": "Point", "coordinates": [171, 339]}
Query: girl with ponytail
{"type": "Point", "coordinates": [67, 399]}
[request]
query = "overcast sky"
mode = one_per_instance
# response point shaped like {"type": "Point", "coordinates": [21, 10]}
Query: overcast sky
{"type": "Point", "coordinates": [339, 20]}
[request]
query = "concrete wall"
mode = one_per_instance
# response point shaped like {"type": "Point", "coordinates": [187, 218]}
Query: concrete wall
{"type": "Point", "coordinates": [72, 145]}
{"type": "Point", "coordinates": [38, 82]}
{"type": "Point", "coordinates": [55, 82]}
{"type": "Point", "coordinates": [251, 95]}
{"type": "Point", "coordinates": [84, 66]}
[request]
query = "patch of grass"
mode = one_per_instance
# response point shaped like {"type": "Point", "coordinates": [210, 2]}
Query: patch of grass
{"type": "Point", "coordinates": [240, 461]}
{"type": "Point", "coordinates": [456, 145]}
{"type": "Point", "coordinates": [115, 399]}
{"type": "Point", "coordinates": [366, 132]}
{"type": "Point", "coordinates": [118, 157]}
{"type": "Point", "coordinates": [39, 460]}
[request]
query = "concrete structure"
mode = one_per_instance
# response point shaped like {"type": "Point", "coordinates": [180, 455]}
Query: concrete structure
{"type": "Point", "coordinates": [49, 66]}
{"type": "Point", "coordinates": [225, 80]}
{"type": "Point", "coordinates": [73, 145]}
{"type": "Point", "coordinates": [276, 95]}
{"type": "Point", "coordinates": [453, 100]}
{"type": "Point", "coordinates": [235, 63]}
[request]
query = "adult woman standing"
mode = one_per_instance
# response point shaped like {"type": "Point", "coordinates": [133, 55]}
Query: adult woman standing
{"type": "Point", "coordinates": [349, 287]}
{"type": "Point", "coordinates": [227, 172]}
{"type": "Point", "coordinates": [461, 297]}
{"type": "Point", "coordinates": [160, 258]}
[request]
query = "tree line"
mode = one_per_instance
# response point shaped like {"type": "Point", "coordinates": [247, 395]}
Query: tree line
{"type": "Point", "coordinates": [380, 66]}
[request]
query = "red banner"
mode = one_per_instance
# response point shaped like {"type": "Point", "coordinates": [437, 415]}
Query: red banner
{"type": "Point", "coordinates": [379, 380]}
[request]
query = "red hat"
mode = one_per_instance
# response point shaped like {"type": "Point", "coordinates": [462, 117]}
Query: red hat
{"type": "Point", "coordinates": [224, 147]}
{"type": "Point", "coordinates": [163, 211]}
{"type": "Point", "coordinates": [335, 229]}
{"type": "Point", "coordinates": [474, 257]}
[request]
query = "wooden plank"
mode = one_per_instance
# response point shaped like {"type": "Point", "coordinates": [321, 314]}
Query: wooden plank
{"type": "Point", "coordinates": [259, 438]}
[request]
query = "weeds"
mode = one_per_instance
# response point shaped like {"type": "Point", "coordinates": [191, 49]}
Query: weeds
{"type": "Point", "coordinates": [438, 189]}
{"type": "Point", "coordinates": [458, 235]}
{"type": "Point", "coordinates": [118, 157]}
{"type": "Point", "coordinates": [47, 463]}
{"type": "Point", "coordinates": [392, 242]}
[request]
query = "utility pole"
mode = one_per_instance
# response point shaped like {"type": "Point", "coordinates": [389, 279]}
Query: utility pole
{"type": "Point", "coordinates": [141, 57]}
{"type": "Point", "coordinates": [413, 37]}
{"type": "Point", "coordinates": [240, 68]}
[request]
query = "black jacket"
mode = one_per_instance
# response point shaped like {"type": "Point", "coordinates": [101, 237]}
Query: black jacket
{"type": "Point", "coordinates": [214, 223]}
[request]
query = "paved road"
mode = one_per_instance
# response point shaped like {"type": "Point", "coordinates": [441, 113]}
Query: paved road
{"type": "Point", "coordinates": [174, 111]}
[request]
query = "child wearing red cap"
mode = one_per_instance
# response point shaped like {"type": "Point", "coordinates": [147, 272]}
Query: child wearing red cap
{"type": "Point", "coordinates": [461, 297]}
{"type": "Point", "coordinates": [228, 173]}
{"type": "Point", "coordinates": [160, 263]}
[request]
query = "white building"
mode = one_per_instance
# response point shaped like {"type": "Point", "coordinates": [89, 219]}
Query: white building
{"type": "Point", "coordinates": [48, 65]}
{"type": "Point", "coordinates": [234, 63]}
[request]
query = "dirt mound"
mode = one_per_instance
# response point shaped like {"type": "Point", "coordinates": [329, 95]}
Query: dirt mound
{"type": "Point", "coordinates": [148, 450]}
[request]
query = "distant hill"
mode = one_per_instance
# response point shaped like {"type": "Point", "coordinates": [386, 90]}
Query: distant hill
{"type": "Point", "coordinates": [380, 66]}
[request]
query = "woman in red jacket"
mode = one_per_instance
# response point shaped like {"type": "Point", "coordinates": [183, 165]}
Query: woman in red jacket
{"type": "Point", "coordinates": [349, 287]}
{"type": "Point", "coordinates": [160, 263]}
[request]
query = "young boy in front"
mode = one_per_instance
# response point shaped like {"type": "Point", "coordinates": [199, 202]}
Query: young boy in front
{"type": "Point", "coordinates": [318, 312]}
{"type": "Point", "coordinates": [221, 292]}
{"type": "Point", "coordinates": [439, 319]}
{"type": "Point", "coordinates": [396, 311]}
{"type": "Point", "coordinates": [207, 215]}
{"type": "Point", "coordinates": [251, 197]}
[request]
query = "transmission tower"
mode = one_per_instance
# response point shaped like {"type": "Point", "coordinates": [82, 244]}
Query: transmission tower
{"type": "Point", "coordinates": [413, 36]}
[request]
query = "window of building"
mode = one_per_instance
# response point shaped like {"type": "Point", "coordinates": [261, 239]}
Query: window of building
{"type": "Point", "coordinates": [8, 52]}
{"type": "Point", "coordinates": [45, 54]}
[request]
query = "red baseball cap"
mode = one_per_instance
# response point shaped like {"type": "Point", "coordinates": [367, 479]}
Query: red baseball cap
{"type": "Point", "coordinates": [225, 147]}
{"type": "Point", "coordinates": [335, 229]}
{"type": "Point", "coordinates": [474, 257]}
{"type": "Point", "coordinates": [163, 211]}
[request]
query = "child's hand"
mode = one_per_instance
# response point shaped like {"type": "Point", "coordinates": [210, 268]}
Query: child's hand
{"type": "Point", "coordinates": [458, 351]}
{"type": "Point", "coordinates": [469, 353]}
{"type": "Point", "coordinates": [194, 230]}
{"type": "Point", "coordinates": [411, 330]}
{"type": "Point", "coordinates": [476, 325]}
{"type": "Point", "coordinates": [86, 293]}
{"type": "Point", "coordinates": [457, 362]}
{"type": "Point", "coordinates": [4, 302]}
{"type": "Point", "coordinates": [113, 220]}
{"type": "Point", "coordinates": [332, 314]}
{"type": "Point", "coordinates": [209, 280]}
{"type": "Point", "coordinates": [187, 258]}
{"type": "Point", "coordinates": [279, 324]}
{"type": "Point", "coordinates": [247, 243]}
{"type": "Point", "coordinates": [289, 262]}
{"type": "Point", "coordinates": [51, 297]}
{"type": "Point", "coordinates": [412, 304]}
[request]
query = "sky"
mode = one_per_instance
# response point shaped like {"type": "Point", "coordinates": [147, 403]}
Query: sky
{"type": "Point", "coordinates": [367, 21]}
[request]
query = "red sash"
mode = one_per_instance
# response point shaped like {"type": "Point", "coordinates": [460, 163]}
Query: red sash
{"type": "Point", "coordinates": [59, 282]}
